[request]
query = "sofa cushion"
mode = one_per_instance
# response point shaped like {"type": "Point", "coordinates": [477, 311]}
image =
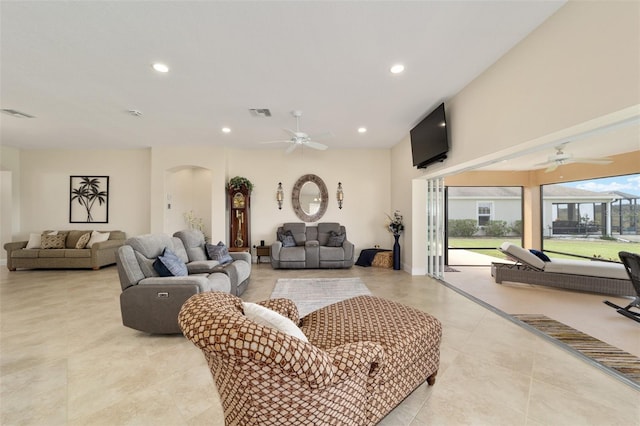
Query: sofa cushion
{"type": "Point", "coordinates": [202, 266]}
{"type": "Point", "coordinates": [324, 230]}
{"type": "Point", "coordinates": [219, 252]}
{"type": "Point", "coordinates": [97, 237]}
{"type": "Point", "coordinates": [168, 264]}
{"type": "Point", "coordinates": [53, 241]}
{"type": "Point", "coordinates": [266, 317]}
{"type": "Point", "coordinates": [194, 244]}
{"type": "Point", "coordinates": [82, 241]}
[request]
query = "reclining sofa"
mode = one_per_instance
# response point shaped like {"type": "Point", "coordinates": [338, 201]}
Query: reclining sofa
{"type": "Point", "coordinates": [150, 302]}
{"type": "Point", "coordinates": [311, 246]}
{"type": "Point", "coordinates": [591, 276]}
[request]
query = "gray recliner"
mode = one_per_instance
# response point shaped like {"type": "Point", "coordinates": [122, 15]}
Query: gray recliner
{"type": "Point", "coordinates": [149, 302]}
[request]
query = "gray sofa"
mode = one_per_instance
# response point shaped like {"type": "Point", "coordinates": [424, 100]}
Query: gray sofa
{"type": "Point", "coordinates": [99, 255]}
{"type": "Point", "coordinates": [150, 302]}
{"type": "Point", "coordinates": [312, 249]}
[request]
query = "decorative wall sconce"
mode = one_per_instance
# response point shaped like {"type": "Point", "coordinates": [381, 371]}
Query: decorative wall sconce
{"type": "Point", "coordinates": [279, 195]}
{"type": "Point", "coordinates": [340, 195]}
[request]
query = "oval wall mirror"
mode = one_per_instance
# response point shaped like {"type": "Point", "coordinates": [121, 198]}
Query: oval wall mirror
{"type": "Point", "coordinates": [310, 198]}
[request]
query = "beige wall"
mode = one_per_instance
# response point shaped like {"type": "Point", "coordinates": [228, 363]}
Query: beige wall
{"type": "Point", "coordinates": [578, 71]}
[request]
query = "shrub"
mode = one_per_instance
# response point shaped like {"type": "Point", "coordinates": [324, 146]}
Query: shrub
{"type": "Point", "coordinates": [516, 228]}
{"type": "Point", "coordinates": [462, 227]}
{"type": "Point", "coordinates": [496, 228]}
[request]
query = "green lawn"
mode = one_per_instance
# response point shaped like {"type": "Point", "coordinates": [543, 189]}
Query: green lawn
{"type": "Point", "coordinates": [605, 249]}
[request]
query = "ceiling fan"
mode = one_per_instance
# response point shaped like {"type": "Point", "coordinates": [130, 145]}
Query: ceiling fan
{"type": "Point", "coordinates": [299, 138]}
{"type": "Point", "coordinates": [560, 158]}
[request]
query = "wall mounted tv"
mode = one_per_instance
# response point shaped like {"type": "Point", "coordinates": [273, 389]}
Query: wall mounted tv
{"type": "Point", "coordinates": [429, 139]}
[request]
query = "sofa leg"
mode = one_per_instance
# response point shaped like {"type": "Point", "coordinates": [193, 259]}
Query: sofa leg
{"type": "Point", "coordinates": [96, 268]}
{"type": "Point", "coordinates": [431, 380]}
{"type": "Point", "coordinates": [12, 269]}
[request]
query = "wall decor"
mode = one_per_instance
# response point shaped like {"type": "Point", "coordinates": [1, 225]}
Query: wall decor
{"type": "Point", "coordinates": [89, 199]}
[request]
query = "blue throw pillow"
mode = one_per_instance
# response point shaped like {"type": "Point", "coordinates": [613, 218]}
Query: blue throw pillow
{"type": "Point", "coordinates": [335, 239]}
{"type": "Point", "coordinates": [219, 252]}
{"type": "Point", "coordinates": [540, 255]}
{"type": "Point", "coordinates": [287, 239]}
{"type": "Point", "coordinates": [168, 264]}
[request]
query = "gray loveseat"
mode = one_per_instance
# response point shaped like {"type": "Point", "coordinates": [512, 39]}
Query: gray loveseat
{"type": "Point", "coordinates": [313, 247]}
{"type": "Point", "coordinates": [150, 302]}
{"type": "Point", "coordinates": [98, 255]}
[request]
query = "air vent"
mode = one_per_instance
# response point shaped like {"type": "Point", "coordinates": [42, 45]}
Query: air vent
{"type": "Point", "coordinates": [260, 112]}
{"type": "Point", "coordinates": [17, 114]}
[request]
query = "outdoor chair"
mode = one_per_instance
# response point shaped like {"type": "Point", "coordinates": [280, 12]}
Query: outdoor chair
{"type": "Point", "coordinates": [632, 264]}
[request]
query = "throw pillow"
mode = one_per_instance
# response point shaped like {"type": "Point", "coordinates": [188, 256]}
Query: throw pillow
{"type": "Point", "coordinates": [168, 264]}
{"type": "Point", "coordinates": [540, 255]}
{"type": "Point", "coordinates": [286, 238]}
{"type": "Point", "coordinates": [53, 241]}
{"type": "Point", "coordinates": [35, 241]}
{"type": "Point", "coordinates": [219, 252]}
{"type": "Point", "coordinates": [335, 239]}
{"type": "Point", "coordinates": [97, 237]}
{"type": "Point", "coordinates": [83, 240]}
{"type": "Point", "coordinates": [267, 317]}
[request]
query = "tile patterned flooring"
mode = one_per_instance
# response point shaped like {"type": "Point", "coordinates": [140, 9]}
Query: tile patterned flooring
{"type": "Point", "coordinates": [66, 359]}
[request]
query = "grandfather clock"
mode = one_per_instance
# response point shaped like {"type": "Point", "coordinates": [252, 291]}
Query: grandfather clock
{"type": "Point", "coordinates": [239, 218]}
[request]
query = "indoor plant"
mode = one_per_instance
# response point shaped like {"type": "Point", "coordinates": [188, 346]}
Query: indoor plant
{"type": "Point", "coordinates": [239, 182]}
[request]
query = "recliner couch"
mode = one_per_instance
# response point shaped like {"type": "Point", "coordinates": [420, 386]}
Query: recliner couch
{"type": "Point", "coordinates": [312, 247]}
{"type": "Point", "coordinates": [150, 302]}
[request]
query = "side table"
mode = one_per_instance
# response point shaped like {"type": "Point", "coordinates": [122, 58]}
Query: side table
{"type": "Point", "coordinates": [263, 251]}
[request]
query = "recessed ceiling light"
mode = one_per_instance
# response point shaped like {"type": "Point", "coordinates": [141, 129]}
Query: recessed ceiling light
{"type": "Point", "coordinates": [160, 67]}
{"type": "Point", "coordinates": [226, 130]}
{"type": "Point", "coordinates": [397, 69]}
{"type": "Point", "coordinates": [362, 129]}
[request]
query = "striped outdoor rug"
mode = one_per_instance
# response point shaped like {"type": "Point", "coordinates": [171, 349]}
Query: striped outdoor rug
{"type": "Point", "coordinates": [599, 351]}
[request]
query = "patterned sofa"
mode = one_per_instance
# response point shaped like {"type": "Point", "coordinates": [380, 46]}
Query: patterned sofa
{"type": "Point", "coordinates": [363, 357]}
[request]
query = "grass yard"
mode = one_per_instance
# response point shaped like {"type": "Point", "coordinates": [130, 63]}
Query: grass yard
{"type": "Point", "coordinates": [604, 249]}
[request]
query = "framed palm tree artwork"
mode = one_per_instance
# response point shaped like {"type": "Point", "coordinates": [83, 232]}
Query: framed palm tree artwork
{"type": "Point", "coordinates": [89, 199]}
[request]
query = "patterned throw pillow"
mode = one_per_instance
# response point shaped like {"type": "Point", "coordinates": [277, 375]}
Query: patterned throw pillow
{"type": "Point", "coordinates": [335, 239]}
{"type": "Point", "coordinates": [83, 240]}
{"type": "Point", "coordinates": [286, 238]}
{"type": "Point", "coordinates": [49, 241]}
{"type": "Point", "coordinates": [219, 252]}
{"type": "Point", "coordinates": [168, 264]}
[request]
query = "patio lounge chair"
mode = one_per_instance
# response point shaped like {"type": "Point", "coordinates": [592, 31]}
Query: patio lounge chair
{"type": "Point", "coordinates": [591, 276]}
{"type": "Point", "coordinates": [632, 264]}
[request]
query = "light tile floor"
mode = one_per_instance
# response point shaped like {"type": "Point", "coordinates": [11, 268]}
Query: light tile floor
{"type": "Point", "coordinates": [66, 359]}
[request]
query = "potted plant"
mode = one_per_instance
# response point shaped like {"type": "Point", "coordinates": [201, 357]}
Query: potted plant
{"type": "Point", "coordinates": [237, 183]}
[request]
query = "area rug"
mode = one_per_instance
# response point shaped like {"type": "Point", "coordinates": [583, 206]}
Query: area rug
{"type": "Point", "coordinates": [310, 294]}
{"type": "Point", "coordinates": [609, 356]}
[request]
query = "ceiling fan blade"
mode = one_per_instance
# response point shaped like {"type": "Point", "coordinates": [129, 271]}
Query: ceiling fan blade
{"type": "Point", "coordinates": [551, 168]}
{"type": "Point", "coordinates": [545, 163]}
{"type": "Point", "coordinates": [291, 132]}
{"type": "Point", "coordinates": [316, 145]}
{"type": "Point", "coordinates": [291, 148]}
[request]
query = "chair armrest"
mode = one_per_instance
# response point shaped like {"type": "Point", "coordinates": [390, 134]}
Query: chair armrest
{"type": "Point", "coordinates": [284, 307]}
{"type": "Point", "coordinates": [348, 249]}
{"type": "Point", "coordinates": [16, 245]}
{"type": "Point", "coordinates": [275, 250]}
{"type": "Point", "coordinates": [357, 358]}
{"type": "Point", "coordinates": [107, 245]}
{"type": "Point", "coordinates": [241, 255]}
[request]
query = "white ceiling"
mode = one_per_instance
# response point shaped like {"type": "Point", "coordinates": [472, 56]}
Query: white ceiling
{"type": "Point", "coordinates": [78, 67]}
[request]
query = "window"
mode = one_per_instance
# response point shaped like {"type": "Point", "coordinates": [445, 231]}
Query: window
{"type": "Point", "coordinates": [484, 212]}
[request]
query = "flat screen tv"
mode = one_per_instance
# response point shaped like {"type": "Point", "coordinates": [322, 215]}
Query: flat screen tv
{"type": "Point", "coordinates": [429, 139]}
